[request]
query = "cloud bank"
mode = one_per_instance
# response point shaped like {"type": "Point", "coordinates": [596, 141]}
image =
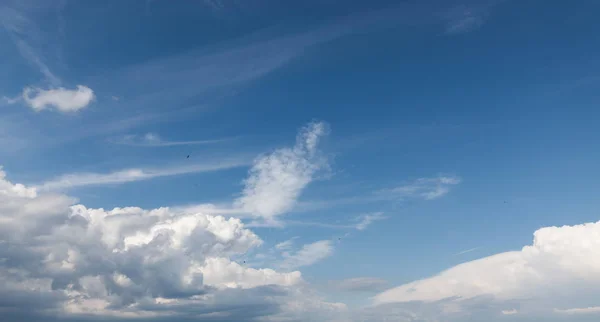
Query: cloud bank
{"type": "Point", "coordinates": [61, 260]}
{"type": "Point", "coordinates": [558, 273]}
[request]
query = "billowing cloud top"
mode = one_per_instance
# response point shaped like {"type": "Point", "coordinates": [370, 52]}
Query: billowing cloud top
{"type": "Point", "coordinates": [560, 270]}
{"type": "Point", "coordinates": [61, 258]}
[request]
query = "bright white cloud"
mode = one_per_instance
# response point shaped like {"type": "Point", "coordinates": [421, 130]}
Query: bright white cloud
{"type": "Point", "coordinates": [308, 254]}
{"type": "Point", "coordinates": [62, 99]}
{"type": "Point", "coordinates": [135, 174]}
{"type": "Point", "coordinates": [276, 180]}
{"type": "Point", "coordinates": [424, 188]}
{"type": "Point", "coordinates": [562, 266]}
{"type": "Point", "coordinates": [63, 259]}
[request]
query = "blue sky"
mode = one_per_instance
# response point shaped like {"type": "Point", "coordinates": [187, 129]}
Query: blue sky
{"type": "Point", "coordinates": [346, 155]}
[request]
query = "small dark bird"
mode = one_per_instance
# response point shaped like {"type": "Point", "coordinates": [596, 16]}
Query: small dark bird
{"type": "Point", "coordinates": [244, 262]}
{"type": "Point", "coordinates": [188, 156]}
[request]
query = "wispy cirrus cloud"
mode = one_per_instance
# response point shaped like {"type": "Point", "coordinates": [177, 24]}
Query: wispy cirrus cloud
{"type": "Point", "coordinates": [467, 16]}
{"type": "Point", "coordinates": [423, 188]}
{"type": "Point", "coordinates": [155, 140]}
{"type": "Point", "coordinates": [277, 179]}
{"type": "Point", "coordinates": [307, 255]}
{"type": "Point", "coordinates": [585, 310]}
{"type": "Point", "coordinates": [18, 18]}
{"type": "Point", "coordinates": [466, 251]}
{"type": "Point", "coordinates": [368, 219]}
{"type": "Point", "coordinates": [135, 174]}
{"type": "Point", "coordinates": [360, 284]}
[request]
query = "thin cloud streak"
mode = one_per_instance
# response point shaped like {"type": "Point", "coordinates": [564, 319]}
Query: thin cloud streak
{"type": "Point", "coordinates": [467, 251]}
{"type": "Point", "coordinates": [153, 140]}
{"type": "Point", "coordinates": [22, 31]}
{"type": "Point", "coordinates": [134, 174]}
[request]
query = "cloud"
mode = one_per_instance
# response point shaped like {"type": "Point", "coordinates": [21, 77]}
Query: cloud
{"type": "Point", "coordinates": [19, 20]}
{"type": "Point", "coordinates": [134, 174]}
{"type": "Point", "coordinates": [424, 188]}
{"type": "Point", "coordinates": [62, 99]}
{"type": "Point", "coordinates": [587, 310]}
{"type": "Point", "coordinates": [154, 140]}
{"type": "Point", "coordinates": [285, 245]}
{"type": "Point", "coordinates": [308, 255]}
{"type": "Point", "coordinates": [467, 16]}
{"type": "Point", "coordinates": [368, 219]}
{"type": "Point", "coordinates": [561, 268]}
{"type": "Point", "coordinates": [276, 180]}
{"type": "Point", "coordinates": [509, 312]}
{"type": "Point", "coordinates": [360, 284]}
{"type": "Point", "coordinates": [467, 251]}
{"type": "Point", "coordinates": [62, 260]}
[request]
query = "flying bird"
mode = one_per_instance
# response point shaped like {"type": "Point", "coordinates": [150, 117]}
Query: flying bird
{"type": "Point", "coordinates": [188, 156]}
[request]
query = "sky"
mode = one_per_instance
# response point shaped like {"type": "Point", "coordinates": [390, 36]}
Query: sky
{"type": "Point", "coordinates": [226, 160]}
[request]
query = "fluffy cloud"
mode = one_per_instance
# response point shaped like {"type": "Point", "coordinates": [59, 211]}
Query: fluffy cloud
{"type": "Point", "coordinates": [61, 259]}
{"type": "Point", "coordinates": [276, 180]}
{"type": "Point", "coordinates": [560, 270]}
{"type": "Point", "coordinates": [62, 99]}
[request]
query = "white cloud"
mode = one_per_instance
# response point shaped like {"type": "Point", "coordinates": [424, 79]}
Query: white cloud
{"type": "Point", "coordinates": [308, 254]}
{"type": "Point", "coordinates": [60, 259]}
{"type": "Point", "coordinates": [276, 180]}
{"type": "Point", "coordinates": [368, 219]}
{"type": "Point", "coordinates": [424, 188]}
{"type": "Point", "coordinates": [562, 266]}
{"type": "Point", "coordinates": [467, 251]}
{"type": "Point", "coordinates": [134, 174]}
{"type": "Point", "coordinates": [154, 140]}
{"type": "Point", "coordinates": [222, 272]}
{"type": "Point", "coordinates": [587, 310]}
{"type": "Point", "coordinates": [62, 99]}
{"type": "Point", "coordinates": [285, 245]}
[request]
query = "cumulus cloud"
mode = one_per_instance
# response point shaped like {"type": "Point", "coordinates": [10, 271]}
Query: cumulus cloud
{"type": "Point", "coordinates": [560, 269]}
{"type": "Point", "coordinates": [61, 259]}
{"type": "Point", "coordinates": [62, 99]}
{"type": "Point", "coordinates": [276, 180]}
{"type": "Point", "coordinates": [424, 188]}
{"type": "Point", "coordinates": [134, 174]}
